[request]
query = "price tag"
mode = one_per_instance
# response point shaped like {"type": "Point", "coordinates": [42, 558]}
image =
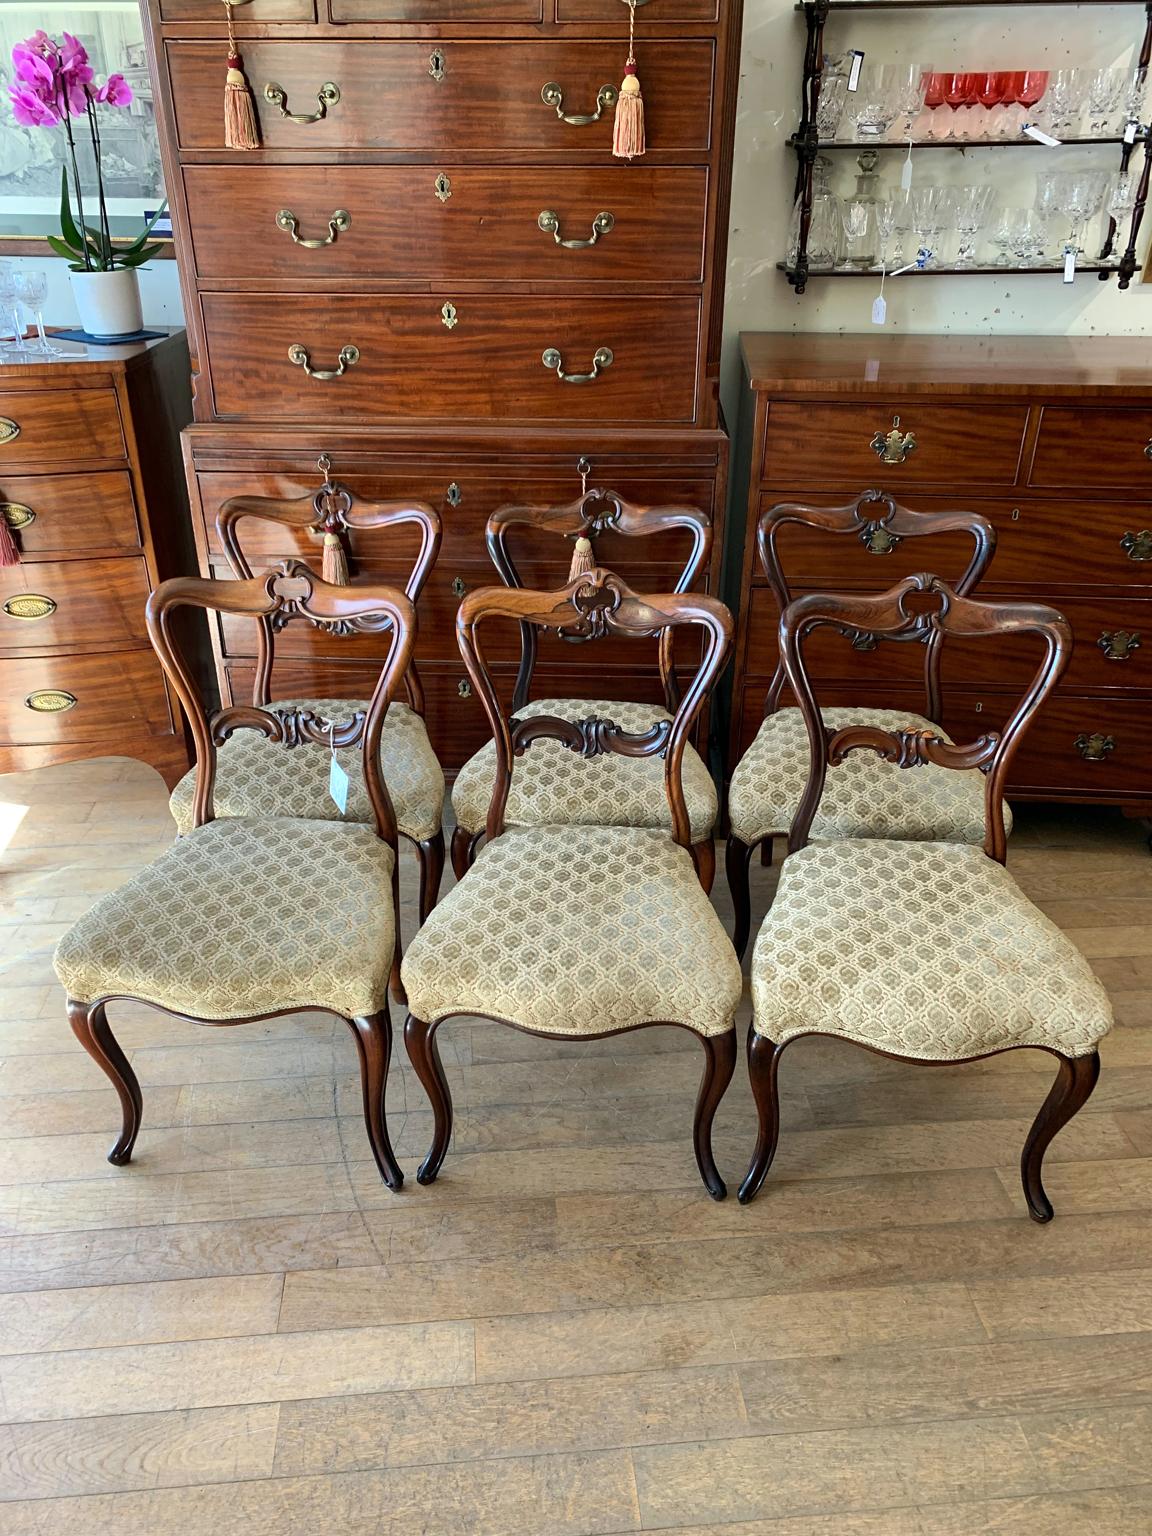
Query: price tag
{"type": "Point", "coordinates": [879, 309]}
{"type": "Point", "coordinates": [906, 172]}
{"type": "Point", "coordinates": [1130, 132]}
{"type": "Point", "coordinates": [1041, 137]}
{"type": "Point", "coordinates": [1069, 263]}
{"type": "Point", "coordinates": [338, 785]}
{"type": "Point", "coordinates": [854, 71]}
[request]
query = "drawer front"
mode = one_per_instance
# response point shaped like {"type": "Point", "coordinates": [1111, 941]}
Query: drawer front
{"type": "Point", "coordinates": [609, 10]}
{"type": "Point", "coordinates": [465, 500]}
{"type": "Point", "coordinates": [252, 11]}
{"type": "Point", "coordinates": [1113, 649]}
{"type": "Point", "coordinates": [52, 424]}
{"type": "Point", "coordinates": [487, 96]}
{"type": "Point", "coordinates": [105, 698]}
{"type": "Point", "coordinates": [1094, 446]}
{"type": "Point", "coordinates": [485, 364]}
{"type": "Point", "coordinates": [66, 514]}
{"type": "Point", "coordinates": [1040, 545]}
{"type": "Point", "coordinates": [957, 444]}
{"type": "Point", "coordinates": [89, 603]}
{"type": "Point", "coordinates": [431, 12]}
{"type": "Point", "coordinates": [448, 221]}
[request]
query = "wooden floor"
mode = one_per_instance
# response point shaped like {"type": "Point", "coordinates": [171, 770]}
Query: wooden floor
{"type": "Point", "coordinates": [244, 1332]}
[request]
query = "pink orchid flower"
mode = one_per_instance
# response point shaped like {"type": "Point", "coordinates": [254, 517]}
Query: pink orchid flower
{"type": "Point", "coordinates": [31, 109]}
{"type": "Point", "coordinates": [115, 92]}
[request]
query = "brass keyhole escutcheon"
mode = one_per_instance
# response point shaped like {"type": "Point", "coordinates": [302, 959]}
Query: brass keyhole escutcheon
{"type": "Point", "coordinates": [450, 315]}
{"type": "Point", "coordinates": [443, 186]}
{"type": "Point", "coordinates": [464, 688]}
{"type": "Point", "coordinates": [453, 495]}
{"type": "Point", "coordinates": [458, 587]}
{"type": "Point", "coordinates": [894, 446]}
{"type": "Point", "coordinates": [436, 64]}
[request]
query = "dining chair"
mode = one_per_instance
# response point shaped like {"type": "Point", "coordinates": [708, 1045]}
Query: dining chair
{"type": "Point", "coordinates": [249, 918]}
{"type": "Point", "coordinates": [923, 951]}
{"type": "Point", "coordinates": [863, 798]}
{"type": "Point", "coordinates": [254, 779]}
{"type": "Point", "coordinates": [577, 932]}
{"type": "Point", "coordinates": [553, 788]}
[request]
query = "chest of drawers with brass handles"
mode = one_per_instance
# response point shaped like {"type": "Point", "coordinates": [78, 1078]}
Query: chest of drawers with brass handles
{"type": "Point", "coordinates": [1050, 440]}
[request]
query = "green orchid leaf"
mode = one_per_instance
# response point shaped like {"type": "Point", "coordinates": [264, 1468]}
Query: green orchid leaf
{"type": "Point", "coordinates": [72, 236]}
{"type": "Point", "coordinates": [139, 243]}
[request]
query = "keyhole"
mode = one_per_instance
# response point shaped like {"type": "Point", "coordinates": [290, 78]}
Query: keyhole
{"type": "Point", "coordinates": [453, 495]}
{"type": "Point", "coordinates": [1015, 514]}
{"type": "Point", "coordinates": [443, 187]}
{"type": "Point", "coordinates": [436, 65]}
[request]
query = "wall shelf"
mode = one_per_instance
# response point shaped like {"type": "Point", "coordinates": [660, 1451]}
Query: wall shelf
{"type": "Point", "coordinates": [795, 142]}
{"type": "Point", "coordinates": [1104, 269]}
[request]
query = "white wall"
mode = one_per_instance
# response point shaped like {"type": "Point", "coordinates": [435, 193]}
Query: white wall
{"type": "Point", "coordinates": [159, 291]}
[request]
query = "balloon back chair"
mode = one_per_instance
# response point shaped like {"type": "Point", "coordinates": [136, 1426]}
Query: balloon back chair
{"type": "Point", "coordinates": [554, 788]}
{"type": "Point", "coordinates": [253, 779]}
{"type": "Point", "coordinates": [922, 951]}
{"type": "Point", "coordinates": [576, 932]}
{"type": "Point", "coordinates": [247, 918]}
{"type": "Point", "coordinates": [863, 798]}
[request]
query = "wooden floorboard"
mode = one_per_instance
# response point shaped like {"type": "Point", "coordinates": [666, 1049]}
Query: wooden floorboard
{"type": "Point", "coordinates": [245, 1334]}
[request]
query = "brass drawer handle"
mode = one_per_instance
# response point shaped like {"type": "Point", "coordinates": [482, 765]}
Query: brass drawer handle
{"type": "Point", "coordinates": [464, 688]}
{"type": "Point", "coordinates": [337, 224]}
{"type": "Point", "coordinates": [30, 606]}
{"type": "Point", "coordinates": [553, 96]}
{"type": "Point", "coordinates": [349, 356]}
{"type": "Point", "coordinates": [16, 514]}
{"type": "Point", "coordinates": [549, 222]}
{"type": "Point", "coordinates": [1118, 644]}
{"type": "Point", "coordinates": [1138, 546]}
{"type": "Point", "coordinates": [327, 96]}
{"type": "Point", "coordinates": [601, 358]}
{"type": "Point", "coordinates": [1095, 748]}
{"type": "Point", "coordinates": [9, 430]}
{"type": "Point", "coordinates": [50, 701]}
{"type": "Point", "coordinates": [1148, 449]}
{"type": "Point", "coordinates": [894, 446]}
{"type": "Point", "coordinates": [458, 587]}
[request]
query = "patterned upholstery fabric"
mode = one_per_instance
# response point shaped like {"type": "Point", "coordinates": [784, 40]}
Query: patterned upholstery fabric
{"type": "Point", "coordinates": [863, 796]}
{"type": "Point", "coordinates": [928, 950]}
{"type": "Point", "coordinates": [241, 918]}
{"type": "Point", "coordinates": [553, 786]}
{"type": "Point", "coordinates": [257, 777]}
{"type": "Point", "coordinates": [576, 931]}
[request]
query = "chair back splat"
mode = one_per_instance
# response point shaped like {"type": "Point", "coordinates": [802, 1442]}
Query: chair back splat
{"type": "Point", "coordinates": [597, 513]}
{"type": "Point", "coordinates": [594, 604]}
{"type": "Point", "coordinates": [880, 524]}
{"type": "Point", "coordinates": [331, 512]}
{"type": "Point", "coordinates": [291, 589]}
{"type": "Point", "coordinates": [889, 615]}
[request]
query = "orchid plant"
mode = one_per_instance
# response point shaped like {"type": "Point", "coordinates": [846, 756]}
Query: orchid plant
{"type": "Point", "coordinates": [54, 84]}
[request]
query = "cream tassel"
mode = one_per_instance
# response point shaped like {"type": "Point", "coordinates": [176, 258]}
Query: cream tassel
{"type": "Point", "coordinates": [334, 569]}
{"type": "Point", "coordinates": [583, 560]}
{"type": "Point", "coordinates": [241, 128]}
{"type": "Point", "coordinates": [628, 129]}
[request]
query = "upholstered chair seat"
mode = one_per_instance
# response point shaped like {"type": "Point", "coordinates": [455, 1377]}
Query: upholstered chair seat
{"type": "Point", "coordinates": [257, 777]}
{"type": "Point", "coordinates": [927, 951]}
{"type": "Point", "coordinates": [864, 796]}
{"type": "Point", "coordinates": [241, 918]}
{"type": "Point", "coordinates": [553, 786]}
{"type": "Point", "coordinates": [577, 931]}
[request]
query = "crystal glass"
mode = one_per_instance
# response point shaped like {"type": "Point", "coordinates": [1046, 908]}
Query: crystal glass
{"type": "Point", "coordinates": [972, 208]}
{"type": "Point", "coordinates": [1030, 237]}
{"type": "Point", "coordinates": [872, 107]}
{"type": "Point", "coordinates": [1049, 194]}
{"type": "Point", "coordinates": [992, 91]}
{"type": "Point", "coordinates": [1005, 235]}
{"type": "Point", "coordinates": [904, 222]}
{"type": "Point", "coordinates": [1136, 96]}
{"type": "Point", "coordinates": [1026, 88]}
{"type": "Point", "coordinates": [1121, 195]}
{"type": "Point", "coordinates": [1083, 196]}
{"type": "Point", "coordinates": [859, 248]}
{"type": "Point", "coordinates": [884, 214]}
{"type": "Point", "coordinates": [933, 213]}
{"type": "Point", "coordinates": [830, 107]}
{"type": "Point", "coordinates": [911, 86]}
{"type": "Point", "coordinates": [1104, 97]}
{"type": "Point", "coordinates": [933, 100]}
{"type": "Point", "coordinates": [10, 305]}
{"type": "Point", "coordinates": [31, 290]}
{"type": "Point", "coordinates": [1064, 102]}
{"type": "Point", "coordinates": [825, 231]}
{"type": "Point", "coordinates": [959, 93]}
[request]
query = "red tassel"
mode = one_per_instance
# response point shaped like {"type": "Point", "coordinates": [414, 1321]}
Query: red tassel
{"type": "Point", "coordinates": [241, 128]}
{"type": "Point", "coordinates": [583, 560]}
{"type": "Point", "coordinates": [9, 549]}
{"type": "Point", "coordinates": [628, 129]}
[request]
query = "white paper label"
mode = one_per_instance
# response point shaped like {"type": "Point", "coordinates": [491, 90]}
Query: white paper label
{"type": "Point", "coordinates": [338, 785]}
{"type": "Point", "coordinates": [906, 175]}
{"type": "Point", "coordinates": [1041, 137]}
{"type": "Point", "coordinates": [879, 309]}
{"type": "Point", "coordinates": [1069, 264]}
{"type": "Point", "coordinates": [854, 72]}
{"type": "Point", "coordinates": [1130, 132]}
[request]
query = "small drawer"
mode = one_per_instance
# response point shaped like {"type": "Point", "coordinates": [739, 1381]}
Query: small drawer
{"type": "Point", "coordinates": [53, 423]}
{"type": "Point", "coordinates": [449, 221]}
{"type": "Point", "coordinates": [1094, 446]}
{"type": "Point", "coordinates": [70, 514]}
{"type": "Point", "coordinates": [76, 603]}
{"type": "Point", "coordinates": [896, 444]}
{"type": "Point", "coordinates": [246, 11]}
{"type": "Point", "coordinates": [653, 14]}
{"type": "Point", "coordinates": [436, 97]}
{"type": "Point", "coordinates": [433, 12]}
{"type": "Point", "coordinates": [452, 356]}
{"type": "Point", "coordinates": [108, 699]}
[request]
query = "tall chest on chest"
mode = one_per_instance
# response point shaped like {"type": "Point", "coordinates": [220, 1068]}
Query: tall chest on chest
{"type": "Point", "coordinates": [435, 271]}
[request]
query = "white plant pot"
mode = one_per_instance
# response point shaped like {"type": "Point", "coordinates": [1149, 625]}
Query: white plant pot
{"type": "Point", "coordinates": [109, 302]}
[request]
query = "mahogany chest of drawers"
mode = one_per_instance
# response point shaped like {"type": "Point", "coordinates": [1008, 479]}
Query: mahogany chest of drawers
{"type": "Point", "coordinates": [434, 271]}
{"type": "Point", "coordinates": [1051, 438]}
{"type": "Point", "coordinates": [91, 490]}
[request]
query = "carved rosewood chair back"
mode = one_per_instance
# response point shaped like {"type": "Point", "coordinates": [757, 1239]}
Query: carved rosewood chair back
{"type": "Point", "coordinates": [595, 604]}
{"type": "Point", "coordinates": [597, 512]}
{"type": "Point", "coordinates": [943, 614]}
{"type": "Point", "coordinates": [291, 589]}
{"type": "Point", "coordinates": [330, 511]}
{"type": "Point", "coordinates": [881, 525]}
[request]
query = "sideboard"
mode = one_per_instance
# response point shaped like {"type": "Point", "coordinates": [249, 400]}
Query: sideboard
{"type": "Point", "coordinates": [92, 495]}
{"type": "Point", "coordinates": [1051, 438]}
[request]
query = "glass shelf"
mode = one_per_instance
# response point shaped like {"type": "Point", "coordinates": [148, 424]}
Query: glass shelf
{"type": "Point", "coordinates": [950, 270]}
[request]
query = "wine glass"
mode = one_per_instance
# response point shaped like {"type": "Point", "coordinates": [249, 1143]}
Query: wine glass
{"type": "Point", "coordinates": [933, 99]}
{"type": "Point", "coordinates": [1083, 195]}
{"type": "Point", "coordinates": [972, 206]}
{"type": "Point", "coordinates": [991, 91]}
{"type": "Point", "coordinates": [1135, 96]}
{"type": "Point", "coordinates": [1049, 195]}
{"type": "Point", "coordinates": [10, 305]}
{"type": "Point", "coordinates": [872, 107]}
{"type": "Point", "coordinates": [932, 208]}
{"type": "Point", "coordinates": [1106, 91]}
{"type": "Point", "coordinates": [959, 91]}
{"type": "Point", "coordinates": [904, 222]}
{"type": "Point", "coordinates": [31, 291]}
{"type": "Point", "coordinates": [1004, 235]}
{"type": "Point", "coordinates": [884, 215]}
{"type": "Point", "coordinates": [856, 216]}
{"type": "Point", "coordinates": [911, 87]}
{"type": "Point", "coordinates": [1030, 237]}
{"type": "Point", "coordinates": [1027, 87]}
{"type": "Point", "coordinates": [1065, 100]}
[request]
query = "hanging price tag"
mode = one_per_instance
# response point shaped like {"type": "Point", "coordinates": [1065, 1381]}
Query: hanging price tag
{"type": "Point", "coordinates": [879, 309]}
{"type": "Point", "coordinates": [1069, 263]}
{"type": "Point", "coordinates": [854, 71]}
{"type": "Point", "coordinates": [337, 777]}
{"type": "Point", "coordinates": [906, 171]}
{"type": "Point", "coordinates": [1130, 132]}
{"type": "Point", "coordinates": [1041, 137]}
